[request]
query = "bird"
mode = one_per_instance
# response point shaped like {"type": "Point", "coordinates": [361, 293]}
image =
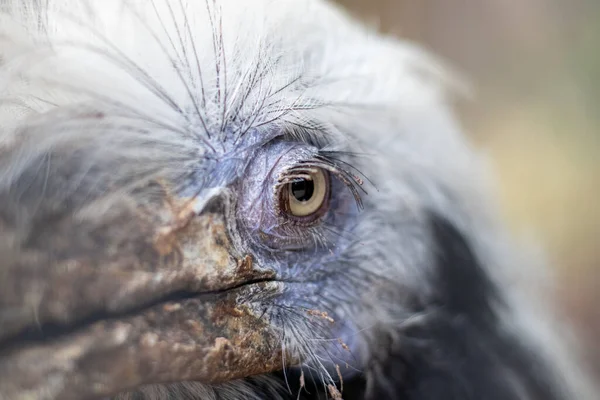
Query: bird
{"type": "Point", "coordinates": [254, 199]}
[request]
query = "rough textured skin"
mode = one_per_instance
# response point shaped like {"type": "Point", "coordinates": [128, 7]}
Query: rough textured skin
{"type": "Point", "coordinates": [144, 253]}
{"type": "Point", "coordinates": [155, 338]}
{"type": "Point", "coordinates": [111, 356]}
{"type": "Point", "coordinates": [162, 250]}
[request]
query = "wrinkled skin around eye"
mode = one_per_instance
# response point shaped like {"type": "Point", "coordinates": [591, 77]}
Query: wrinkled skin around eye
{"type": "Point", "coordinates": [267, 225]}
{"type": "Point", "coordinates": [305, 258]}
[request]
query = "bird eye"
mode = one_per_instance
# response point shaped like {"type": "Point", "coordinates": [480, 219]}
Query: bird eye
{"type": "Point", "coordinates": [305, 196]}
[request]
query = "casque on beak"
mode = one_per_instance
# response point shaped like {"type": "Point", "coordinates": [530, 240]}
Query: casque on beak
{"type": "Point", "coordinates": [145, 292]}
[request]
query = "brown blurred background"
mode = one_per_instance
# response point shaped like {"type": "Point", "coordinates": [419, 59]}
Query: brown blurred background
{"type": "Point", "coordinates": [535, 68]}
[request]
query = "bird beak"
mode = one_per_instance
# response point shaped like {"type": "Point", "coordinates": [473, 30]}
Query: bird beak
{"type": "Point", "coordinates": [150, 292]}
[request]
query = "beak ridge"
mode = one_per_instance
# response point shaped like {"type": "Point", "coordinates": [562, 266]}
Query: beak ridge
{"type": "Point", "coordinates": [161, 302]}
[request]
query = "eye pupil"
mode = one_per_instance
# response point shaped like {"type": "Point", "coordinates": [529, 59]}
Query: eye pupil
{"type": "Point", "coordinates": [303, 190]}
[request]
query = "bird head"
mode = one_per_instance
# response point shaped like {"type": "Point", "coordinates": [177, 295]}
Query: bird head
{"type": "Point", "coordinates": [241, 200]}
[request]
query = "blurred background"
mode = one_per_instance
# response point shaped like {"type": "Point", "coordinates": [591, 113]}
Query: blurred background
{"type": "Point", "coordinates": [535, 68]}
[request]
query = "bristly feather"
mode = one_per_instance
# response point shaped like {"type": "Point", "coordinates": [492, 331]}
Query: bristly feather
{"type": "Point", "coordinates": [220, 78]}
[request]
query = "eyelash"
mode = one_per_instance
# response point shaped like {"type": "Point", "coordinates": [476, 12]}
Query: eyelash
{"type": "Point", "coordinates": [343, 171]}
